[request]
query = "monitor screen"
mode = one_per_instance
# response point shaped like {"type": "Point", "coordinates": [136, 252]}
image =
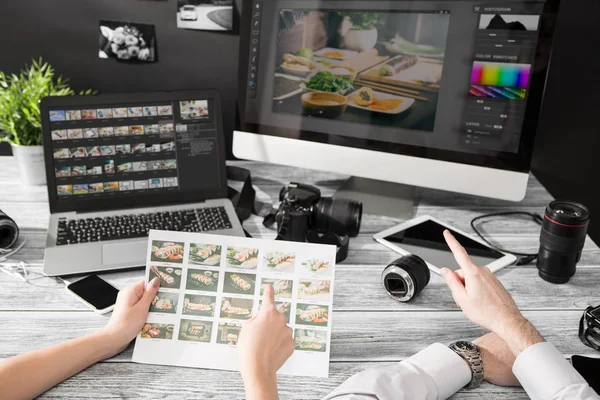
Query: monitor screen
{"type": "Point", "coordinates": [106, 152]}
{"type": "Point", "coordinates": [458, 80]}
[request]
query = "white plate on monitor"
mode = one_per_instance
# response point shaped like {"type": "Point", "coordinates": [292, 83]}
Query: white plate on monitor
{"type": "Point", "coordinates": [405, 105]}
{"type": "Point", "coordinates": [347, 53]}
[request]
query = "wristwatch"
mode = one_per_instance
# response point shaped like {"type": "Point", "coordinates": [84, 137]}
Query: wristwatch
{"type": "Point", "coordinates": [471, 354]}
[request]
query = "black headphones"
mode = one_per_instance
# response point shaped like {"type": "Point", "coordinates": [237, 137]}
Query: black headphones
{"type": "Point", "coordinates": [9, 232]}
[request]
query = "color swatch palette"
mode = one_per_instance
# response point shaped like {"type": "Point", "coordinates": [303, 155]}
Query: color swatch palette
{"type": "Point", "coordinates": [495, 92]}
{"type": "Point", "coordinates": [501, 74]}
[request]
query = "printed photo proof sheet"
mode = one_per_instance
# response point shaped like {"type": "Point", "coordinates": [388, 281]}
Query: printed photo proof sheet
{"type": "Point", "coordinates": [210, 284]}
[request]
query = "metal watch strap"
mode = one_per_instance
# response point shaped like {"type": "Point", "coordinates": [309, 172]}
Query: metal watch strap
{"type": "Point", "coordinates": [475, 363]}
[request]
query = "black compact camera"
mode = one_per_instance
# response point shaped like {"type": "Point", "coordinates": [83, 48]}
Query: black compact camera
{"type": "Point", "coordinates": [9, 231]}
{"type": "Point", "coordinates": [304, 215]}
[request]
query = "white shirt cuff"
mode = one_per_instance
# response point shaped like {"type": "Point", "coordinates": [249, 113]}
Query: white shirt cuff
{"type": "Point", "coordinates": [448, 370]}
{"type": "Point", "coordinates": [543, 371]}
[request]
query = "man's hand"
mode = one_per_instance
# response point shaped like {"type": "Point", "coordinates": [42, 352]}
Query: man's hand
{"type": "Point", "coordinates": [131, 311]}
{"type": "Point", "coordinates": [484, 300]}
{"type": "Point", "coordinates": [264, 345]}
{"type": "Point", "coordinates": [498, 360]}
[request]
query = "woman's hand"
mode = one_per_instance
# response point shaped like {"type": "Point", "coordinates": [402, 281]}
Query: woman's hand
{"type": "Point", "coordinates": [131, 311]}
{"type": "Point", "coordinates": [264, 345]}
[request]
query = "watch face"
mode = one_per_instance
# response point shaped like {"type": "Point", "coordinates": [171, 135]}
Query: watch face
{"type": "Point", "coordinates": [465, 346]}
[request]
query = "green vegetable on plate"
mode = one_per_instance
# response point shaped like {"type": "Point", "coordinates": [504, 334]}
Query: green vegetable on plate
{"type": "Point", "coordinates": [325, 81]}
{"type": "Point", "coordinates": [306, 53]}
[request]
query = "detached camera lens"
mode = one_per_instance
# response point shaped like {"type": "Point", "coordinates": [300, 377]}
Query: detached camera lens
{"type": "Point", "coordinates": [563, 235]}
{"type": "Point", "coordinates": [405, 278]}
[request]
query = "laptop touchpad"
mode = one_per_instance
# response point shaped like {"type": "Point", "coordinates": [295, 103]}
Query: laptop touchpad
{"type": "Point", "coordinates": [129, 254]}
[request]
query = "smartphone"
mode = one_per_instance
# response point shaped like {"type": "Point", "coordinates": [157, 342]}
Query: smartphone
{"type": "Point", "coordinates": [424, 237]}
{"type": "Point", "coordinates": [95, 293]}
{"type": "Point", "coordinates": [588, 368]}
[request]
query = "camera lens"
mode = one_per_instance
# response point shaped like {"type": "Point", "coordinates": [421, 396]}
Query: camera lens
{"type": "Point", "coordinates": [340, 216]}
{"type": "Point", "coordinates": [8, 231]}
{"type": "Point", "coordinates": [563, 235]}
{"type": "Point", "coordinates": [405, 278]}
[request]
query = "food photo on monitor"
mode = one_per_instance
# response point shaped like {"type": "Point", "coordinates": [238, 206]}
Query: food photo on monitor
{"type": "Point", "coordinates": [365, 67]}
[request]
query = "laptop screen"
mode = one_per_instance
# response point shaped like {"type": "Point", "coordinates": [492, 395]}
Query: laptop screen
{"type": "Point", "coordinates": [111, 152]}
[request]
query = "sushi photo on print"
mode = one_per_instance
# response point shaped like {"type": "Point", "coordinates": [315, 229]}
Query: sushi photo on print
{"type": "Point", "coordinates": [242, 257]}
{"type": "Point", "coordinates": [202, 279]}
{"type": "Point", "coordinates": [169, 277]}
{"type": "Point", "coordinates": [165, 302]}
{"type": "Point", "coordinates": [239, 283]}
{"type": "Point", "coordinates": [205, 254]}
{"type": "Point", "coordinates": [171, 252]}
{"type": "Point", "coordinates": [199, 305]}
{"type": "Point", "coordinates": [280, 261]}
{"type": "Point", "coordinates": [310, 314]}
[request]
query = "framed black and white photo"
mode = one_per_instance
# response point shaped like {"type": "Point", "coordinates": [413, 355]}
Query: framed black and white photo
{"type": "Point", "coordinates": [206, 15]}
{"type": "Point", "coordinates": [127, 41]}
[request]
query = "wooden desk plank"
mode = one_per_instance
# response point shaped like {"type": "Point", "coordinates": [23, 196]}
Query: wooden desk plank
{"type": "Point", "coordinates": [357, 288]}
{"type": "Point", "coordinates": [126, 380]}
{"type": "Point", "coordinates": [356, 336]}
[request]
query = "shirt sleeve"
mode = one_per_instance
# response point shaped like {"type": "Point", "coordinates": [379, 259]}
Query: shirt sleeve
{"type": "Point", "coordinates": [545, 374]}
{"type": "Point", "coordinates": [434, 373]}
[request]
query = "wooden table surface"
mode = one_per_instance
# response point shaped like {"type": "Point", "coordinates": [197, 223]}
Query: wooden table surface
{"type": "Point", "coordinates": [369, 330]}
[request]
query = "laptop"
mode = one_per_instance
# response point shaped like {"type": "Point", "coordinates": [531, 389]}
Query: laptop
{"type": "Point", "coordinates": [119, 165]}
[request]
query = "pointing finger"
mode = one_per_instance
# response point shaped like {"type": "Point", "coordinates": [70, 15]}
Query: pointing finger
{"type": "Point", "coordinates": [460, 254]}
{"type": "Point", "coordinates": [268, 299]}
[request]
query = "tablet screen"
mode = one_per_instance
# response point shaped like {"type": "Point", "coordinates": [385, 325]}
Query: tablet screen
{"type": "Point", "coordinates": [427, 241]}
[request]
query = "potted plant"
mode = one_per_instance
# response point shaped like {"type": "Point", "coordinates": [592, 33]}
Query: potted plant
{"type": "Point", "coordinates": [363, 34]}
{"type": "Point", "coordinates": [20, 123]}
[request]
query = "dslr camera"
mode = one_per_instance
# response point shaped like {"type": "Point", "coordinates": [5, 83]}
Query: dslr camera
{"type": "Point", "coordinates": [303, 210]}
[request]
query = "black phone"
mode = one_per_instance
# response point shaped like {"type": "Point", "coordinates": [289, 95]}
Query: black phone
{"type": "Point", "coordinates": [588, 368]}
{"type": "Point", "coordinates": [95, 293]}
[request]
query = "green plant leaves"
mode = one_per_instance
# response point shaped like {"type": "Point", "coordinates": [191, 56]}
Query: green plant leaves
{"type": "Point", "coordinates": [20, 95]}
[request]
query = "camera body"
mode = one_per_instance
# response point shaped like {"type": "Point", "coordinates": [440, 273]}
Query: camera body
{"type": "Point", "coordinates": [303, 209]}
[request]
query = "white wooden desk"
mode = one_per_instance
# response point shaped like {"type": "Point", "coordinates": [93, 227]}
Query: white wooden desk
{"type": "Point", "coordinates": [370, 329]}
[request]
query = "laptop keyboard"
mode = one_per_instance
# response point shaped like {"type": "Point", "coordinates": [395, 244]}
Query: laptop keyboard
{"type": "Point", "coordinates": [85, 230]}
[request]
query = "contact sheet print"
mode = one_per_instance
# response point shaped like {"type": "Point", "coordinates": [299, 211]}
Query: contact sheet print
{"type": "Point", "coordinates": [209, 285]}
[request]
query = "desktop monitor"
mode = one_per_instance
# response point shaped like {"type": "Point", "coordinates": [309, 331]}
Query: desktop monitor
{"type": "Point", "coordinates": [430, 93]}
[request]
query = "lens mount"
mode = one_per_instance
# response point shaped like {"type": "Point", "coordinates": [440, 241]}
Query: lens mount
{"type": "Point", "coordinates": [413, 274]}
{"type": "Point", "coordinates": [409, 284]}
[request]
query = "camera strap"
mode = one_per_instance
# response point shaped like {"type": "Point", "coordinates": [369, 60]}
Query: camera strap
{"type": "Point", "coordinates": [245, 205]}
{"type": "Point", "coordinates": [244, 201]}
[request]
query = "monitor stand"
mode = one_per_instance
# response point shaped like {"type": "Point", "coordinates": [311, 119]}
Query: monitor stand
{"type": "Point", "coordinates": [380, 198]}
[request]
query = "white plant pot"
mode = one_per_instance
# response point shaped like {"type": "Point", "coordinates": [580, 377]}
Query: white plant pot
{"type": "Point", "coordinates": [30, 161]}
{"type": "Point", "coordinates": [361, 40]}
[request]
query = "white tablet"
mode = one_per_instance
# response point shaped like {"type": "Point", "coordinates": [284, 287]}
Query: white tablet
{"type": "Point", "coordinates": [423, 236]}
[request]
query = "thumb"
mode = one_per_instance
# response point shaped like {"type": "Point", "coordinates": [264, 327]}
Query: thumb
{"type": "Point", "coordinates": [150, 292]}
{"type": "Point", "coordinates": [268, 299]}
{"type": "Point", "coordinates": [455, 285]}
